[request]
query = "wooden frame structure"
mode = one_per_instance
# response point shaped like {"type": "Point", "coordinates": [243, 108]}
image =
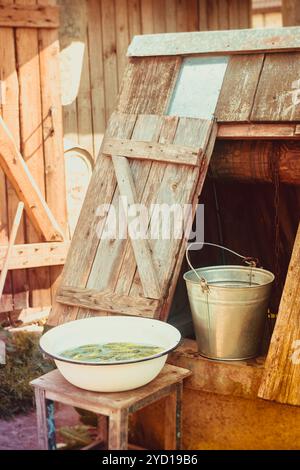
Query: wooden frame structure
{"type": "Point", "coordinates": [129, 136]}
{"type": "Point", "coordinates": [31, 151]}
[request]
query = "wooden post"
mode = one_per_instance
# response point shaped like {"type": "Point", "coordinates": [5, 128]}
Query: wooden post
{"type": "Point", "coordinates": [281, 378]}
{"type": "Point", "coordinates": [45, 420]}
{"type": "Point", "coordinates": [11, 242]}
{"type": "Point", "coordinates": [118, 430]}
{"type": "Point", "coordinates": [290, 12]}
{"type": "Point", "coordinates": [170, 428]}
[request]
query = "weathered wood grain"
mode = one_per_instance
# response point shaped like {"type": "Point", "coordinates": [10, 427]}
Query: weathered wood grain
{"type": "Point", "coordinates": [52, 124]}
{"type": "Point", "coordinates": [25, 186]}
{"type": "Point", "coordinates": [96, 72]}
{"type": "Point", "coordinates": [11, 242]}
{"type": "Point", "coordinates": [107, 301]}
{"type": "Point", "coordinates": [252, 131]}
{"type": "Point", "coordinates": [118, 430]}
{"type": "Point", "coordinates": [167, 153]}
{"type": "Point", "coordinates": [215, 42]}
{"type": "Point", "coordinates": [109, 56]}
{"type": "Point", "coordinates": [17, 281]}
{"type": "Point", "coordinates": [29, 16]}
{"type": "Point", "coordinates": [34, 255]}
{"type": "Point", "coordinates": [141, 248]}
{"type": "Point", "coordinates": [147, 85]}
{"type": "Point", "coordinates": [281, 377]}
{"type": "Point", "coordinates": [277, 96]}
{"type": "Point", "coordinates": [57, 388]}
{"type": "Point", "coordinates": [155, 173]}
{"type": "Point", "coordinates": [251, 160]}
{"type": "Point", "coordinates": [239, 86]}
{"type": "Point", "coordinates": [110, 250]}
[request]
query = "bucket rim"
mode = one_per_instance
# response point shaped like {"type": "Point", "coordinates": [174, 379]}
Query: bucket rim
{"type": "Point", "coordinates": [242, 268]}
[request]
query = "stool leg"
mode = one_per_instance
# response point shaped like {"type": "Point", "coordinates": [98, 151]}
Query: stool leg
{"type": "Point", "coordinates": [45, 421]}
{"type": "Point", "coordinates": [102, 429]}
{"type": "Point", "coordinates": [170, 422]}
{"type": "Point", "coordinates": [118, 430]}
{"type": "Point", "coordinates": [179, 390]}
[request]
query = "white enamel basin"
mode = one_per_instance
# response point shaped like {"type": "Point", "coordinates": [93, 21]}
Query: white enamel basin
{"type": "Point", "coordinates": [103, 377]}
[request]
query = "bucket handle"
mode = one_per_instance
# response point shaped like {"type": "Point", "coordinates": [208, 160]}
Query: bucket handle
{"type": "Point", "coordinates": [253, 262]}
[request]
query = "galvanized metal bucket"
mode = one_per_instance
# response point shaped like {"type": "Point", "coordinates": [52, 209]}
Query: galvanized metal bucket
{"type": "Point", "coordinates": [229, 308]}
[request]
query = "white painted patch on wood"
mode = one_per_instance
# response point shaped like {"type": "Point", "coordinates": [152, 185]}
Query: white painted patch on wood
{"type": "Point", "coordinates": [198, 86]}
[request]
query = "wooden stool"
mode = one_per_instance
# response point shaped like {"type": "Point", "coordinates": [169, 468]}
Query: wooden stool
{"type": "Point", "coordinates": [115, 406]}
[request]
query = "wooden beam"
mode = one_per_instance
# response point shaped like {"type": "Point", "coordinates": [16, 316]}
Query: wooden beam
{"type": "Point", "coordinates": [257, 131]}
{"type": "Point", "coordinates": [281, 378]}
{"type": "Point", "coordinates": [29, 16]}
{"type": "Point", "coordinates": [140, 246]}
{"type": "Point", "coordinates": [168, 153]}
{"type": "Point", "coordinates": [216, 42]}
{"type": "Point", "coordinates": [26, 188]}
{"type": "Point", "coordinates": [11, 242]}
{"type": "Point", "coordinates": [107, 301]}
{"type": "Point", "coordinates": [35, 255]}
{"type": "Point", "coordinates": [252, 161]}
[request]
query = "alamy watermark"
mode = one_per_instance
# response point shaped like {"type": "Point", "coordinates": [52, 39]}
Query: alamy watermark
{"type": "Point", "coordinates": [156, 222]}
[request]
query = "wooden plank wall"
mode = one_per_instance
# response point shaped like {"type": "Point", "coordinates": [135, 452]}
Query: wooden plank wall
{"type": "Point", "coordinates": [105, 28]}
{"type": "Point", "coordinates": [29, 71]}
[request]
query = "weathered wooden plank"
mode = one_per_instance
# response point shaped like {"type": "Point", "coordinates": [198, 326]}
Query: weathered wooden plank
{"type": "Point", "coordinates": [16, 282]}
{"type": "Point", "coordinates": [96, 73]}
{"type": "Point", "coordinates": [182, 15]}
{"type": "Point", "coordinates": [109, 56]}
{"type": "Point", "coordinates": [107, 301]}
{"type": "Point", "coordinates": [251, 160]}
{"type": "Point", "coordinates": [257, 131]}
{"type": "Point", "coordinates": [154, 175]}
{"type": "Point", "coordinates": [176, 189]}
{"type": "Point", "coordinates": [212, 15]}
{"type": "Point", "coordinates": [110, 250]}
{"type": "Point", "coordinates": [34, 255]}
{"type": "Point", "coordinates": [234, 15]}
{"type": "Point", "coordinates": [32, 148]}
{"type": "Point", "coordinates": [192, 11]}
{"type": "Point", "coordinates": [290, 13]}
{"type": "Point", "coordinates": [118, 430]}
{"type": "Point", "coordinates": [203, 20]}
{"type": "Point", "coordinates": [216, 42]}
{"type": "Point", "coordinates": [134, 17]}
{"type": "Point", "coordinates": [171, 9]}
{"type": "Point", "coordinates": [147, 85]}
{"type": "Point", "coordinates": [55, 182]}
{"type": "Point", "coordinates": [11, 242]}
{"type": "Point", "coordinates": [122, 36]}
{"type": "Point", "coordinates": [90, 226]}
{"type": "Point", "coordinates": [281, 377]}
{"type": "Point", "coordinates": [239, 86]}
{"type": "Point", "coordinates": [71, 38]}
{"type": "Point", "coordinates": [29, 16]}
{"type": "Point", "coordinates": [141, 248]}
{"type": "Point", "coordinates": [159, 16]}
{"type": "Point", "coordinates": [245, 12]}
{"type": "Point", "coordinates": [277, 96]}
{"type": "Point", "coordinates": [54, 382]}
{"type": "Point", "coordinates": [84, 104]}
{"type": "Point", "coordinates": [147, 17]}
{"type": "Point", "coordinates": [167, 153]}
{"type": "Point", "coordinates": [26, 188]}
{"type": "Point", "coordinates": [223, 14]}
